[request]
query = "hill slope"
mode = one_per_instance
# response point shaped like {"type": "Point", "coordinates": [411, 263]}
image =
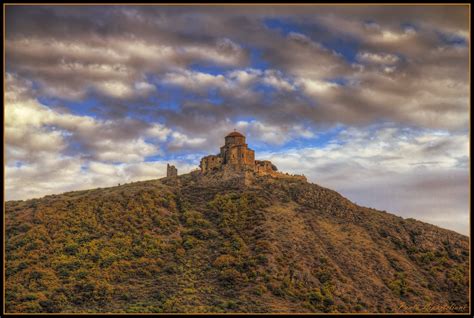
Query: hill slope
{"type": "Point", "coordinates": [275, 246]}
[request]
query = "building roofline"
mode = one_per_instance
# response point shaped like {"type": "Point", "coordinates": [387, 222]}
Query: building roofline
{"type": "Point", "coordinates": [235, 134]}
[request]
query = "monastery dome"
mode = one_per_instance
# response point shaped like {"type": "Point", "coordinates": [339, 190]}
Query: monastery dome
{"type": "Point", "coordinates": [235, 134]}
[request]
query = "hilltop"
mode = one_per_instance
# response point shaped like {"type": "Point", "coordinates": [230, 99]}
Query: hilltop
{"type": "Point", "coordinates": [188, 245]}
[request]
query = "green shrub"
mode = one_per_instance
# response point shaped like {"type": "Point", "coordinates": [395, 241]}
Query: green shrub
{"type": "Point", "coordinates": [229, 276]}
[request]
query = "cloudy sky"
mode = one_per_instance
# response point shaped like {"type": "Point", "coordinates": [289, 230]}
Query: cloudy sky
{"type": "Point", "coordinates": [371, 101]}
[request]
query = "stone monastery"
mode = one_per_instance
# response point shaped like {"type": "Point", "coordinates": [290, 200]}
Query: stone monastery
{"type": "Point", "coordinates": [236, 155]}
{"type": "Point", "coordinates": [235, 158]}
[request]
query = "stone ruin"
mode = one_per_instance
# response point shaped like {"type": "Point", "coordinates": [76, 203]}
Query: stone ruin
{"type": "Point", "coordinates": [171, 175]}
{"type": "Point", "coordinates": [171, 171]}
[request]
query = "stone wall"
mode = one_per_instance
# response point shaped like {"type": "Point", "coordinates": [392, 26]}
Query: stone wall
{"type": "Point", "coordinates": [264, 167]}
{"type": "Point", "coordinates": [240, 156]}
{"type": "Point", "coordinates": [210, 163]}
{"type": "Point", "coordinates": [290, 176]}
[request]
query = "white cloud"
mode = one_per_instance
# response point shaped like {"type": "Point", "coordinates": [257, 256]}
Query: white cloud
{"type": "Point", "coordinates": [272, 134]}
{"type": "Point", "coordinates": [394, 36]}
{"type": "Point", "coordinates": [277, 79]}
{"type": "Point", "coordinates": [182, 141]}
{"type": "Point", "coordinates": [315, 87]}
{"type": "Point", "coordinates": [383, 58]}
{"type": "Point", "coordinates": [144, 87]}
{"type": "Point", "coordinates": [115, 68]}
{"type": "Point", "coordinates": [33, 129]}
{"type": "Point", "coordinates": [225, 52]}
{"type": "Point", "coordinates": [195, 81]}
{"type": "Point", "coordinates": [124, 151]}
{"type": "Point", "coordinates": [115, 89]}
{"type": "Point", "coordinates": [54, 174]}
{"type": "Point", "coordinates": [301, 56]}
{"type": "Point", "coordinates": [158, 131]}
{"type": "Point", "coordinates": [230, 83]}
{"type": "Point", "coordinates": [37, 140]}
{"type": "Point", "coordinates": [393, 169]}
{"type": "Point", "coordinates": [244, 77]}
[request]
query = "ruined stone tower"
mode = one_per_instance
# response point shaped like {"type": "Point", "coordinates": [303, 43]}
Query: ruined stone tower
{"type": "Point", "coordinates": [171, 171]}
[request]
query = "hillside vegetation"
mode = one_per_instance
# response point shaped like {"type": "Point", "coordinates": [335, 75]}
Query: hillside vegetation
{"type": "Point", "coordinates": [274, 246]}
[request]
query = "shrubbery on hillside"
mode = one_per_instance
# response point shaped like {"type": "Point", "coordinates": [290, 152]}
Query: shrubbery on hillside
{"type": "Point", "coordinates": [279, 246]}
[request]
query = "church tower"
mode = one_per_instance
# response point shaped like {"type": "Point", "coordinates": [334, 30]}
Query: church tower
{"type": "Point", "coordinates": [236, 152]}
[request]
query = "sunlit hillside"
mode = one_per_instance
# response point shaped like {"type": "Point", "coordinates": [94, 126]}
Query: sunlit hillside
{"type": "Point", "coordinates": [273, 246]}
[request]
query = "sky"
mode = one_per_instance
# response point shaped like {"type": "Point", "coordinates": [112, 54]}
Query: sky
{"type": "Point", "coordinates": [370, 101]}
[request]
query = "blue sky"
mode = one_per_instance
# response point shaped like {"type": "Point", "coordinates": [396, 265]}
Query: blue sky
{"type": "Point", "coordinates": [371, 101]}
